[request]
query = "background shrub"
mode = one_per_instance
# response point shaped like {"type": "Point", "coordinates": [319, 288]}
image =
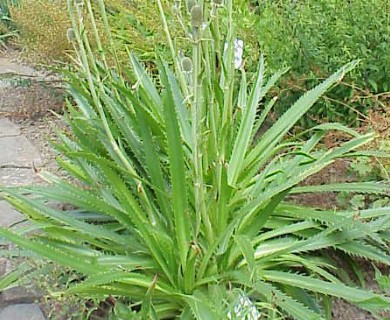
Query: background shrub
{"type": "Point", "coordinates": [42, 29]}
{"type": "Point", "coordinates": [6, 27]}
{"type": "Point", "coordinates": [42, 26]}
{"type": "Point", "coordinates": [314, 38]}
{"type": "Point", "coordinates": [135, 24]}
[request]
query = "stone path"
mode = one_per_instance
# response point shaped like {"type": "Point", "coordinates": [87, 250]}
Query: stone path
{"type": "Point", "coordinates": [25, 93]}
{"type": "Point", "coordinates": [8, 67]}
{"type": "Point", "coordinates": [18, 158]}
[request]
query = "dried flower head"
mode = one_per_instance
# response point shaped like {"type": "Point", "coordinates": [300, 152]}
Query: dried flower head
{"type": "Point", "coordinates": [196, 16]}
{"type": "Point", "coordinates": [71, 35]}
{"type": "Point", "coordinates": [190, 5]}
{"type": "Point", "coordinates": [186, 64]}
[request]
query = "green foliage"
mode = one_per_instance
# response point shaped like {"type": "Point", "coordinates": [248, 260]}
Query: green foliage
{"type": "Point", "coordinates": [383, 280]}
{"type": "Point", "coordinates": [314, 38]}
{"type": "Point", "coordinates": [41, 27]}
{"type": "Point", "coordinates": [179, 199]}
{"type": "Point", "coordinates": [6, 28]}
{"type": "Point", "coordinates": [366, 169]}
{"type": "Point", "coordinates": [133, 24]}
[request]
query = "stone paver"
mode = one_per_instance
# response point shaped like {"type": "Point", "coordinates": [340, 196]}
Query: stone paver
{"type": "Point", "coordinates": [17, 151]}
{"type": "Point", "coordinates": [18, 156]}
{"type": "Point", "coordinates": [17, 160]}
{"type": "Point", "coordinates": [8, 215]}
{"type": "Point", "coordinates": [22, 312]}
{"type": "Point", "coordinates": [18, 295]}
{"type": "Point", "coordinates": [17, 176]}
{"type": "Point", "coordinates": [7, 67]}
{"type": "Point", "coordinates": [8, 129]}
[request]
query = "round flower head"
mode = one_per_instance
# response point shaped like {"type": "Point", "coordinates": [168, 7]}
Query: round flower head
{"type": "Point", "coordinates": [175, 8]}
{"type": "Point", "coordinates": [71, 35]}
{"type": "Point", "coordinates": [186, 64]}
{"type": "Point", "coordinates": [190, 5]}
{"type": "Point", "coordinates": [196, 16]}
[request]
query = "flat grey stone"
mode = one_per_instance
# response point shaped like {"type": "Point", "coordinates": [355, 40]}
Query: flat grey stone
{"type": "Point", "coordinates": [8, 129]}
{"type": "Point", "coordinates": [18, 152]}
{"type": "Point", "coordinates": [22, 312]}
{"type": "Point", "coordinates": [3, 264]}
{"type": "Point", "coordinates": [18, 295]}
{"type": "Point", "coordinates": [8, 215]}
{"type": "Point", "coordinates": [17, 176]}
{"type": "Point", "coordinates": [8, 67]}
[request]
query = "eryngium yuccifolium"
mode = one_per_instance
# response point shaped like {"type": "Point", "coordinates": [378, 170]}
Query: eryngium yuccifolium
{"type": "Point", "coordinates": [196, 16]}
{"type": "Point", "coordinates": [190, 5]}
{"type": "Point", "coordinates": [71, 35]}
{"type": "Point", "coordinates": [186, 64]}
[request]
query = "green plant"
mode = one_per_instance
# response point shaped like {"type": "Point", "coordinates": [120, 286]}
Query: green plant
{"type": "Point", "coordinates": [133, 25]}
{"type": "Point", "coordinates": [6, 28]}
{"type": "Point", "coordinates": [41, 27]}
{"type": "Point", "coordinates": [314, 38]}
{"type": "Point", "coordinates": [366, 169]}
{"type": "Point", "coordinates": [179, 203]}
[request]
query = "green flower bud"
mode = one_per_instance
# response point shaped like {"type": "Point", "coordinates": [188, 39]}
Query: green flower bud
{"type": "Point", "coordinates": [71, 35]}
{"type": "Point", "coordinates": [186, 64]}
{"type": "Point", "coordinates": [196, 16]}
{"type": "Point", "coordinates": [190, 5]}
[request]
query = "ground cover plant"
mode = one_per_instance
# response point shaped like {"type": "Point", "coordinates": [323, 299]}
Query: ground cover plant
{"type": "Point", "coordinates": [314, 38]}
{"type": "Point", "coordinates": [177, 195]}
{"type": "Point", "coordinates": [42, 37]}
{"type": "Point", "coordinates": [41, 28]}
{"type": "Point", "coordinates": [6, 29]}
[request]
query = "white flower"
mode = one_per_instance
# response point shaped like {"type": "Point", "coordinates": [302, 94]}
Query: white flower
{"type": "Point", "coordinates": [244, 309]}
{"type": "Point", "coordinates": [238, 52]}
